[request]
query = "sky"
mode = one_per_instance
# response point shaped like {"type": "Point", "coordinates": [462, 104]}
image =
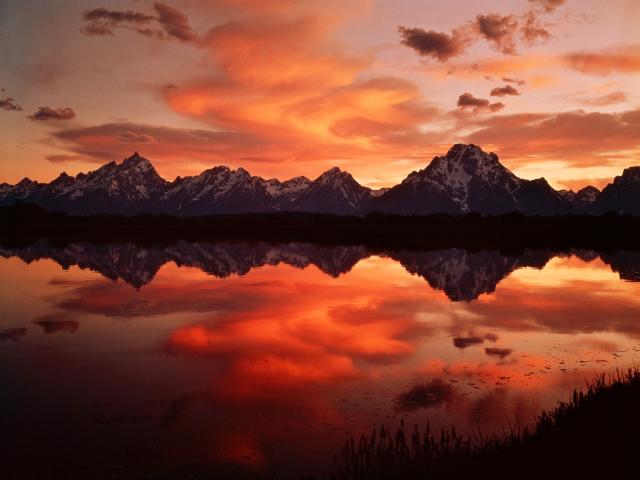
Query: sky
{"type": "Point", "coordinates": [285, 88]}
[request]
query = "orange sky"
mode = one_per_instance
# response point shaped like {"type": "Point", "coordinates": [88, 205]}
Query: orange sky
{"type": "Point", "coordinates": [287, 88]}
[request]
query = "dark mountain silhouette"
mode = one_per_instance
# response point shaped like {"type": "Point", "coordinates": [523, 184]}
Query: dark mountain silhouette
{"type": "Point", "coordinates": [462, 275]}
{"type": "Point", "coordinates": [621, 196]}
{"type": "Point", "coordinates": [465, 275]}
{"type": "Point", "coordinates": [465, 180]}
{"type": "Point", "coordinates": [583, 199]}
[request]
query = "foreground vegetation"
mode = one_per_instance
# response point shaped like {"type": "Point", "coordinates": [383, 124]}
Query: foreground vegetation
{"type": "Point", "coordinates": [596, 434]}
{"type": "Point", "coordinates": [25, 223]}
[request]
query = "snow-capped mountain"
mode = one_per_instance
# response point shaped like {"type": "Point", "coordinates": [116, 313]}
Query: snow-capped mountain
{"type": "Point", "coordinates": [466, 179]}
{"type": "Point", "coordinates": [217, 190]}
{"type": "Point", "coordinates": [622, 196]}
{"type": "Point", "coordinates": [286, 193]}
{"type": "Point", "coordinates": [336, 192]}
{"type": "Point", "coordinates": [132, 186]}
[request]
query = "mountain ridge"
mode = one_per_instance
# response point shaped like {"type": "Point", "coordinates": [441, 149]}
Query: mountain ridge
{"type": "Point", "coordinates": [465, 180]}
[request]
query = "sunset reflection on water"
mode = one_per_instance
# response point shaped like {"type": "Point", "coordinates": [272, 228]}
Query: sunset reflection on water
{"type": "Point", "coordinates": [268, 357]}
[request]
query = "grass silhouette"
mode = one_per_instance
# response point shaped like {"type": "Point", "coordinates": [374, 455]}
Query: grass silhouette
{"type": "Point", "coordinates": [596, 434]}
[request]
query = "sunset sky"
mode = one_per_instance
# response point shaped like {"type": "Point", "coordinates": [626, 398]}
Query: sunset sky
{"type": "Point", "coordinates": [285, 88]}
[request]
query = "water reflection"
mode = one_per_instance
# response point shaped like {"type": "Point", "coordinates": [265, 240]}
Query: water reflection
{"type": "Point", "coordinates": [461, 274]}
{"type": "Point", "coordinates": [241, 358]}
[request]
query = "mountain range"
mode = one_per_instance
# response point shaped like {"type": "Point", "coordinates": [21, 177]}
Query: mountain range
{"type": "Point", "coordinates": [461, 274]}
{"type": "Point", "coordinates": [465, 180]}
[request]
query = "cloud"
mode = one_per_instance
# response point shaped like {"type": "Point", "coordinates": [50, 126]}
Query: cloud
{"type": "Point", "coordinates": [498, 352]}
{"type": "Point", "coordinates": [47, 113]}
{"type": "Point", "coordinates": [174, 22]}
{"type": "Point", "coordinates": [169, 23]}
{"type": "Point", "coordinates": [467, 100]}
{"type": "Point", "coordinates": [9, 104]}
{"type": "Point", "coordinates": [548, 6]}
{"type": "Point", "coordinates": [464, 342]}
{"type": "Point", "coordinates": [625, 59]}
{"type": "Point", "coordinates": [499, 31]}
{"type": "Point", "coordinates": [164, 145]}
{"type": "Point", "coordinates": [63, 158]}
{"type": "Point", "coordinates": [578, 138]}
{"type": "Point", "coordinates": [515, 81]}
{"type": "Point", "coordinates": [604, 100]}
{"type": "Point", "coordinates": [504, 91]}
{"type": "Point", "coordinates": [533, 31]}
{"type": "Point", "coordinates": [428, 395]}
{"type": "Point", "coordinates": [433, 44]}
{"type": "Point", "coordinates": [12, 334]}
{"type": "Point", "coordinates": [135, 137]}
{"type": "Point", "coordinates": [103, 22]}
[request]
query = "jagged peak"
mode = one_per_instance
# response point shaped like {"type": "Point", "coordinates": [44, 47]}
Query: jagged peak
{"type": "Point", "coordinates": [588, 190]}
{"type": "Point", "coordinates": [459, 149]}
{"type": "Point", "coordinates": [63, 178]}
{"type": "Point", "coordinates": [631, 173]}
{"type": "Point", "coordinates": [540, 181]}
{"type": "Point", "coordinates": [25, 181]}
{"type": "Point", "coordinates": [136, 160]}
{"type": "Point", "coordinates": [334, 172]}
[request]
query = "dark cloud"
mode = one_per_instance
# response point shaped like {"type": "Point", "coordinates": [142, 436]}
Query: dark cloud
{"type": "Point", "coordinates": [533, 31]}
{"type": "Point", "coordinates": [117, 16]}
{"type": "Point", "coordinates": [427, 395]}
{"type": "Point", "coordinates": [102, 21]}
{"type": "Point", "coordinates": [504, 91]}
{"type": "Point", "coordinates": [498, 352]}
{"type": "Point", "coordinates": [174, 22]}
{"type": "Point", "coordinates": [169, 23]}
{"type": "Point", "coordinates": [47, 113]}
{"type": "Point", "coordinates": [467, 100]}
{"type": "Point", "coordinates": [464, 342]}
{"type": "Point", "coordinates": [12, 334]}
{"type": "Point", "coordinates": [433, 44]}
{"type": "Point", "coordinates": [547, 6]}
{"type": "Point", "coordinates": [62, 158]}
{"type": "Point", "coordinates": [53, 326]}
{"type": "Point", "coordinates": [499, 31]}
{"type": "Point", "coordinates": [134, 137]}
{"type": "Point", "coordinates": [9, 104]}
{"type": "Point", "coordinates": [515, 81]}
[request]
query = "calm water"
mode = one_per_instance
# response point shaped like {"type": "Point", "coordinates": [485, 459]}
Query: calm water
{"type": "Point", "coordinates": [249, 359]}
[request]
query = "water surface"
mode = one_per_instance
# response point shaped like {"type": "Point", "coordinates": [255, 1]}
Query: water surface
{"type": "Point", "coordinates": [238, 360]}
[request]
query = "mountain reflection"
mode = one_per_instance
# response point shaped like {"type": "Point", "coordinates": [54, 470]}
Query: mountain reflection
{"type": "Point", "coordinates": [462, 275]}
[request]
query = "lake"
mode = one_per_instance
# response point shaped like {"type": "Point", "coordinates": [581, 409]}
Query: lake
{"type": "Point", "coordinates": [238, 360]}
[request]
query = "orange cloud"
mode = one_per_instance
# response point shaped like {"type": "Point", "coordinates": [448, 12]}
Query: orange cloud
{"type": "Point", "coordinates": [624, 59]}
{"type": "Point", "coordinates": [579, 138]}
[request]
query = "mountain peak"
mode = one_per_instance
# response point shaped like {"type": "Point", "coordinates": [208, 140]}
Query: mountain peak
{"type": "Point", "coordinates": [459, 149]}
{"type": "Point", "coordinates": [588, 190]}
{"type": "Point", "coordinates": [630, 174]}
{"type": "Point", "coordinates": [136, 161]}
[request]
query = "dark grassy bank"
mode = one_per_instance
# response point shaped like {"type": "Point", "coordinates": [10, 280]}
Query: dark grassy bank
{"type": "Point", "coordinates": [596, 434]}
{"type": "Point", "coordinates": [24, 223]}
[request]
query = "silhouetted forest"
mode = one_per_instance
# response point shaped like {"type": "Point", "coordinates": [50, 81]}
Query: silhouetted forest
{"type": "Point", "coordinates": [25, 223]}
